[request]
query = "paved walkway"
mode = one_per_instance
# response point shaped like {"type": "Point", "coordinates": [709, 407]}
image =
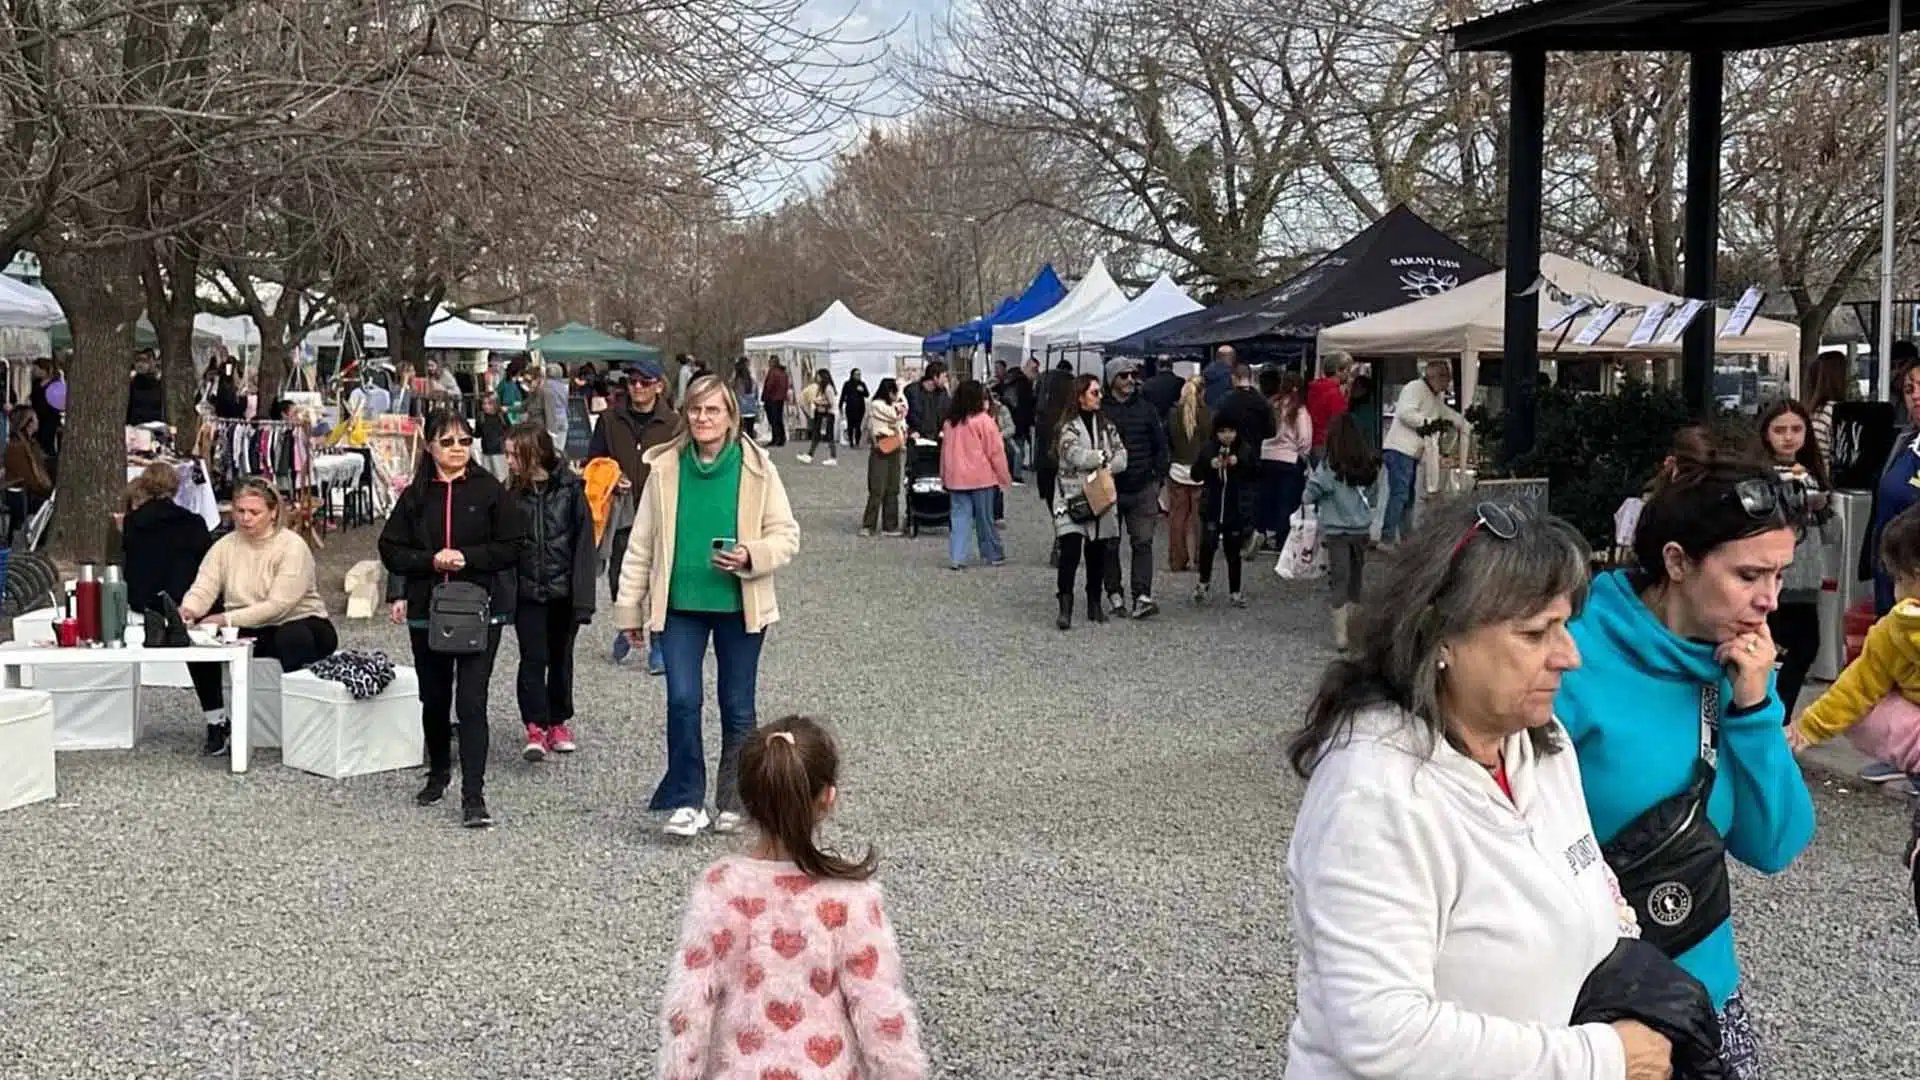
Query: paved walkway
{"type": "Point", "coordinates": [1082, 838]}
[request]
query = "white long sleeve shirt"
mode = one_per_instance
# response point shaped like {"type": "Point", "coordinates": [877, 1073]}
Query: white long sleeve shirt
{"type": "Point", "coordinates": [1417, 406]}
{"type": "Point", "coordinates": [1443, 931]}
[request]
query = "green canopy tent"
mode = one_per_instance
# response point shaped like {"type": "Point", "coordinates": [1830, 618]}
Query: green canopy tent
{"type": "Point", "coordinates": [143, 336]}
{"type": "Point", "coordinates": [576, 343]}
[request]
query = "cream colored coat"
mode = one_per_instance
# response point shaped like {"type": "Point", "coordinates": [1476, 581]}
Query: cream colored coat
{"type": "Point", "coordinates": [766, 529]}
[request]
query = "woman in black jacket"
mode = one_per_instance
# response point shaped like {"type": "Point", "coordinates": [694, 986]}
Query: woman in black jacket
{"type": "Point", "coordinates": [557, 576]}
{"type": "Point", "coordinates": [163, 543]}
{"type": "Point", "coordinates": [853, 402]}
{"type": "Point", "coordinates": [454, 522]}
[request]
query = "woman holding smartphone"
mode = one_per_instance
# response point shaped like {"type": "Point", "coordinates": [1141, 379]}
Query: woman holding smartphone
{"type": "Point", "coordinates": [712, 528]}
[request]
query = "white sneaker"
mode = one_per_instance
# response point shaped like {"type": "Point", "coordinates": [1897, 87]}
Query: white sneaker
{"type": "Point", "coordinates": [831, 461]}
{"type": "Point", "coordinates": [728, 822]}
{"type": "Point", "coordinates": [686, 821]}
{"type": "Point", "coordinates": [804, 459]}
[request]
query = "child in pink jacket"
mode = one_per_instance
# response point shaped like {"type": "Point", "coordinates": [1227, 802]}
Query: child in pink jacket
{"type": "Point", "coordinates": [973, 468]}
{"type": "Point", "coordinates": [787, 965]}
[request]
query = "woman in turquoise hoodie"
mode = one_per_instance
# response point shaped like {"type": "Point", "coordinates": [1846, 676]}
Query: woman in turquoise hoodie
{"type": "Point", "coordinates": [1688, 628]}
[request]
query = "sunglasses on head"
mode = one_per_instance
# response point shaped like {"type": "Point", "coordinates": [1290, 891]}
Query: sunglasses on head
{"type": "Point", "coordinates": [1489, 517]}
{"type": "Point", "coordinates": [451, 441]}
{"type": "Point", "coordinates": [1765, 498]}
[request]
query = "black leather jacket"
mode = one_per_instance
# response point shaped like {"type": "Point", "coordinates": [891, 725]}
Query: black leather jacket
{"type": "Point", "coordinates": [559, 559]}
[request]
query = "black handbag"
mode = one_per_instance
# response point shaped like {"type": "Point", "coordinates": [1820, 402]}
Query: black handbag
{"type": "Point", "coordinates": [1080, 511]}
{"type": "Point", "coordinates": [1671, 861]}
{"type": "Point", "coordinates": [457, 611]}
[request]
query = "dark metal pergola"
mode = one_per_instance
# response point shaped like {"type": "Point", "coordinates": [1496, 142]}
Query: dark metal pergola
{"type": "Point", "coordinates": [1706, 30]}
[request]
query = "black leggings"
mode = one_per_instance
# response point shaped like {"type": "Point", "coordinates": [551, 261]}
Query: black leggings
{"type": "Point", "coordinates": [1230, 542]}
{"type": "Point", "coordinates": [1796, 633]}
{"type": "Point", "coordinates": [451, 685]}
{"type": "Point", "coordinates": [544, 683]}
{"type": "Point", "coordinates": [1098, 552]}
{"type": "Point", "coordinates": [295, 644]}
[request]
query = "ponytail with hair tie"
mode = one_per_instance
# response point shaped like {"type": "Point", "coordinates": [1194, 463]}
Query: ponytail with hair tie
{"type": "Point", "coordinates": [782, 793]}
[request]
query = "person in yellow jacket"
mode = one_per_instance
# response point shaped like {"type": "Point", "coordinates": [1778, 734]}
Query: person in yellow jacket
{"type": "Point", "coordinates": [1876, 700]}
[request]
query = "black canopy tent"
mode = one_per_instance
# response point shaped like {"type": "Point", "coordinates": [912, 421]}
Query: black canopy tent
{"type": "Point", "coordinates": [1397, 259]}
{"type": "Point", "coordinates": [1704, 29]}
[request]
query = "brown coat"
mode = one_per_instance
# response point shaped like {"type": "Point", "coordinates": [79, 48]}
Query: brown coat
{"type": "Point", "coordinates": [766, 528]}
{"type": "Point", "coordinates": [630, 435]}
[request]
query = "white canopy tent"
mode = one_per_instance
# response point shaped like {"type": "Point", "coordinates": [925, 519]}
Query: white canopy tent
{"type": "Point", "coordinates": [1094, 298]}
{"type": "Point", "coordinates": [1160, 301]}
{"type": "Point", "coordinates": [22, 306]}
{"type": "Point", "coordinates": [840, 341]}
{"type": "Point", "coordinates": [1470, 320]}
{"type": "Point", "coordinates": [446, 331]}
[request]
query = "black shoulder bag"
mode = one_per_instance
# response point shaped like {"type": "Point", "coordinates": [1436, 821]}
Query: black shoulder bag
{"type": "Point", "coordinates": [457, 611]}
{"type": "Point", "coordinates": [1671, 861]}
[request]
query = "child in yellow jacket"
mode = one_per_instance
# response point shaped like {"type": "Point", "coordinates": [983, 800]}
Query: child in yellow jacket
{"type": "Point", "coordinates": [1876, 700]}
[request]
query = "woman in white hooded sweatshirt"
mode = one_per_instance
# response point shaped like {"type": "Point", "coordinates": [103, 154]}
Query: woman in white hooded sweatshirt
{"type": "Point", "coordinates": [1449, 897]}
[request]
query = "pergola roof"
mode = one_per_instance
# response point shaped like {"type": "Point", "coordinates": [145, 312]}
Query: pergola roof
{"type": "Point", "coordinates": [1674, 25]}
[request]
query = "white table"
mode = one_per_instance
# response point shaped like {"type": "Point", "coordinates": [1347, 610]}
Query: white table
{"type": "Point", "coordinates": [16, 656]}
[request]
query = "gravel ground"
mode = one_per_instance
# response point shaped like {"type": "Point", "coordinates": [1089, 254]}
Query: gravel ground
{"type": "Point", "coordinates": [1082, 837]}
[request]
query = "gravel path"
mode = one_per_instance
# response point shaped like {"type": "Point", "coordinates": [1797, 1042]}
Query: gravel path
{"type": "Point", "coordinates": [1082, 838]}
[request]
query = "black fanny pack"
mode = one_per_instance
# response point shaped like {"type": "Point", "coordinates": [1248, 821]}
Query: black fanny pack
{"type": "Point", "coordinates": [1671, 861]}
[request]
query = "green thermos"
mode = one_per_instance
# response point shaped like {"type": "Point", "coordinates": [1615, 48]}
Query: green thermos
{"type": "Point", "coordinates": [113, 607]}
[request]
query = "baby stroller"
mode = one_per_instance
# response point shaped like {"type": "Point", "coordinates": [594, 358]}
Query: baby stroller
{"type": "Point", "coordinates": [928, 504]}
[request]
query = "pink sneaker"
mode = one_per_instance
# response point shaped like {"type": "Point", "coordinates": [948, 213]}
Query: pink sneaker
{"type": "Point", "coordinates": [536, 743]}
{"type": "Point", "coordinates": [561, 739]}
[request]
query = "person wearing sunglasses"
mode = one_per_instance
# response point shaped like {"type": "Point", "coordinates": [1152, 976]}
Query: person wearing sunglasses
{"type": "Point", "coordinates": [644, 420]}
{"type": "Point", "coordinates": [1675, 719]}
{"type": "Point", "coordinates": [454, 522]}
{"type": "Point", "coordinates": [1449, 899]}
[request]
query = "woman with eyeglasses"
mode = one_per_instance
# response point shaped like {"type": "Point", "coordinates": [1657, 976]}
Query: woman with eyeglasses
{"type": "Point", "coordinates": [712, 529]}
{"type": "Point", "coordinates": [1449, 901]}
{"type": "Point", "coordinates": [1675, 720]}
{"type": "Point", "coordinates": [454, 522]}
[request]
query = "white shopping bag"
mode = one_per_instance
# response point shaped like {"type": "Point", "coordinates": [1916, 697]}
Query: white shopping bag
{"type": "Point", "coordinates": [1301, 557]}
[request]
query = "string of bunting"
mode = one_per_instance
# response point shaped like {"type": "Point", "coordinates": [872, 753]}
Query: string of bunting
{"type": "Point", "coordinates": [1661, 322]}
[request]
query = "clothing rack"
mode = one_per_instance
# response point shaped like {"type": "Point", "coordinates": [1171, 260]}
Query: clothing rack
{"type": "Point", "coordinates": [272, 449]}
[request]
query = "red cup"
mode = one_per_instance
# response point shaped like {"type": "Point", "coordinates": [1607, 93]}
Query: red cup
{"type": "Point", "coordinates": [67, 632]}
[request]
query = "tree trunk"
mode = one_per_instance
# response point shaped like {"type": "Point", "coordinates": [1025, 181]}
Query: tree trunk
{"type": "Point", "coordinates": [407, 322]}
{"type": "Point", "coordinates": [101, 293]}
{"type": "Point", "coordinates": [276, 359]}
{"type": "Point", "coordinates": [171, 305]}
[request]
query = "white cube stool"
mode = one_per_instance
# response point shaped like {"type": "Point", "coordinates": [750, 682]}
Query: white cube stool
{"type": "Point", "coordinates": [323, 730]}
{"type": "Point", "coordinates": [37, 626]}
{"type": "Point", "coordinates": [263, 700]}
{"type": "Point", "coordinates": [26, 748]}
{"type": "Point", "coordinates": [95, 706]}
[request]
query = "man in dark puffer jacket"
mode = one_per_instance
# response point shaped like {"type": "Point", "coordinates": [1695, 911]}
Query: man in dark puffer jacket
{"type": "Point", "coordinates": [1148, 457]}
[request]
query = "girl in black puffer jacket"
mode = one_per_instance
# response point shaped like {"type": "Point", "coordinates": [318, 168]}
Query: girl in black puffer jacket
{"type": "Point", "coordinates": [1226, 505]}
{"type": "Point", "coordinates": [556, 585]}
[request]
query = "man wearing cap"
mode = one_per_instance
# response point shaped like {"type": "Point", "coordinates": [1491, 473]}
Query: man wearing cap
{"type": "Point", "coordinates": [1148, 458]}
{"type": "Point", "coordinates": [628, 429]}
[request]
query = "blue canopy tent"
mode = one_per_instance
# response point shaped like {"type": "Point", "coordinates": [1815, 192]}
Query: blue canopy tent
{"type": "Point", "coordinates": [1044, 291]}
{"type": "Point", "coordinates": [944, 340]}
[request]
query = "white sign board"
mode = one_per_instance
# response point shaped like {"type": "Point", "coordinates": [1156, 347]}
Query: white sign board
{"type": "Point", "coordinates": [1677, 325]}
{"type": "Point", "coordinates": [1602, 322]}
{"type": "Point", "coordinates": [1656, 314]}
{"type": "Point", "coordinates": [1743, 312]}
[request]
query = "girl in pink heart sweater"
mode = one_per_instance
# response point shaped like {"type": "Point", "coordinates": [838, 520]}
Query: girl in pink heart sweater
{"type": "Point", "coordinates": [787, 967]}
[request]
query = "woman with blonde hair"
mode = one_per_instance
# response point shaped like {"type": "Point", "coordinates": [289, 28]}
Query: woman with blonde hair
{"type": "Point", "coordinates": [712, 528]}
{"type": "Point", "coordinates": [1187, 429]}
{"type": "Point", "coordinates": [263, 573]}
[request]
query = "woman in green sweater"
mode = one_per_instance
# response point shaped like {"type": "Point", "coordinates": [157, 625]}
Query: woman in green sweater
{"type": "Point", "coordinates": [712, 527]}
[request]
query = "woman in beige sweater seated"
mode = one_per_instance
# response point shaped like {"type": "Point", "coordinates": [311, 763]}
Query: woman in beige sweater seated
{"type": "Point", "coordinates": [261, 578]}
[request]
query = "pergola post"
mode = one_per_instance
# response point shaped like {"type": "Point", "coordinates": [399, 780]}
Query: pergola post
{"type": "Point", "coordinates": [1707, 79]}
{"type": "Point", "coordinates": [1520, 363]}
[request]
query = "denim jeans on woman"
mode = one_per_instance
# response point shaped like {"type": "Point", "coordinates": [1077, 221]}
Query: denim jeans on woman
{"type": "Point", "coordinates": [973, 513]}
{"type": "Point", "coordinates": [737, 654]}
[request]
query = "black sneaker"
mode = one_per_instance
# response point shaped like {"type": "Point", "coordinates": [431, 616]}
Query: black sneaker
{"type": "Point", "coordinates": [433, 792]}
{"type": "Point", "coordinates": [473, 813]}
{"type": "Point", "coordinates": [218, 736]}
{"type": "Point", "coordinates": [1144, 608]}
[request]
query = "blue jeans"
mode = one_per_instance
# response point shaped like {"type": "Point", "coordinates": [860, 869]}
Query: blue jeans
{"type": "Point", "coordinates": [684, 641]}
{"type": "Point", "coordinates": [1401, 472]}
{"type": "Point", "coordinates": [973, 512]}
